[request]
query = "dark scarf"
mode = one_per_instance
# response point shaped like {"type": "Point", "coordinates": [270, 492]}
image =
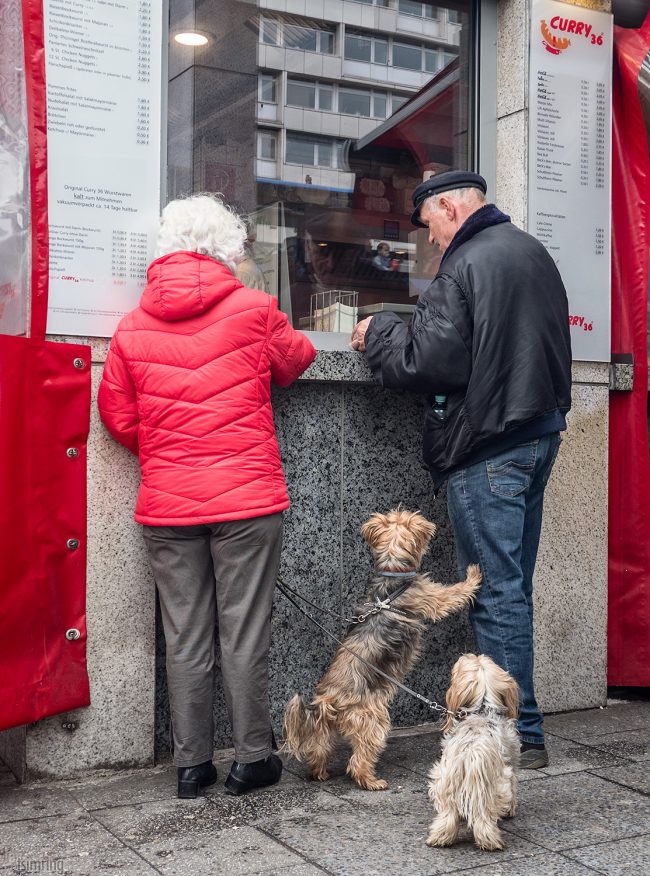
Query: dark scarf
{"type": "Point", "coordinates": [483, 218]}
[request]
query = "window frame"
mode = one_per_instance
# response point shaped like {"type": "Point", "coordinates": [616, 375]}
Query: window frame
{"type": "Point", "coordinates": [316, 141]}
{"type": "Point", "coordinates": [435, 16]}
{"type": "Point", "coordinates": [264, 135]}
{"type": "Point", "coordinates": [261, 77]}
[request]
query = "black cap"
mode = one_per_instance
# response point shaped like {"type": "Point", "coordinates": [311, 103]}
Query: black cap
{"type": "Point", "coordinates": [444, 182]}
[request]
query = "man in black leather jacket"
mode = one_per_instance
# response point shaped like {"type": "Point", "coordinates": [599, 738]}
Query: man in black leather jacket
{"type": "Point", "coordinates": [489, 346]}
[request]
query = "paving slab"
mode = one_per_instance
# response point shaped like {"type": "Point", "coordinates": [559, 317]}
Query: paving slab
{"type": "Point", "coordinates": [137, 824]}
{"type": "Point", "coordinates": [18, 803]}
{"type": "Point", "coordinates": [632, 775]}
{"type": "Point", "coordinates": [106, 788]}
{"type": "Point", "coordinates": [628, 744]}
{"type": "Point", "coordinates": [45, 839]}
{"type": "Point", "coordinates": [568, 756]}
{"type": "Point", "coordinates": [373, 842]}
{"type": "Point", "coordinates": [546, 864]}
{"type": "Point", "coordinates": [402, 785]}
{"type": "Point", "coordinates": [118, 862]}
{"type": "Point", "coordinates": [244, 851]}
{"type": "Point", "coordinates": [579, 809]}
{"type": "Point", "coordinates": [620, 858]}
{"type": "Point", "coordinates": [593, 722]}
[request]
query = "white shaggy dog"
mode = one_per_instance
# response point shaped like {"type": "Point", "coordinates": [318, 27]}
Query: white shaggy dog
{"type": "Point", "coordinates": [476, 776]}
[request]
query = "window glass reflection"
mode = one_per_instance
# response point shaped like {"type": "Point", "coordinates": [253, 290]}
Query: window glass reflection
{"type": "Point", "coordinates": [318, 129]}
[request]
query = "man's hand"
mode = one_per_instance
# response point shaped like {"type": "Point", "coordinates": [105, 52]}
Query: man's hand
{"type": "Point", "coordinates": [358, 341]}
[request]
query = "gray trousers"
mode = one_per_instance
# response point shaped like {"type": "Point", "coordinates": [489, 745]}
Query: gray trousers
{"type": "Point", "coordinates": [225, 571]}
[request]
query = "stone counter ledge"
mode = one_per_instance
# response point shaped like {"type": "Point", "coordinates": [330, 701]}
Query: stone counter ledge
{"type": "Point", "coordinates": [348, 366]}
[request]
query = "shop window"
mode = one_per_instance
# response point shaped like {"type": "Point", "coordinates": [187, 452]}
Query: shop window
{"type": "Point", "coordinates": [321, 204]}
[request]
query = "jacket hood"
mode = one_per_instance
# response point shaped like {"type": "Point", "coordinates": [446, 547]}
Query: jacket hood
{"type": "Point", "coordinates": [184, 284]}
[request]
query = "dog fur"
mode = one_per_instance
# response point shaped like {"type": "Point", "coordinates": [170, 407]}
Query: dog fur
{"type": "Point", "coordinates": [476, 776]}
{"type": "Point", "coordinates": [351, 700]}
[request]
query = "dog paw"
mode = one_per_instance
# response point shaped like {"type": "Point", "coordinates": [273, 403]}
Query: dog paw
{"type": "Point", "coordinates": [321, 776]}
{"type": "Point", "coordinates": [374, 784]}
{"type": "Point", "coordinates": [490, 845]}
{"type": "Point", "coordinates": [436, 840]}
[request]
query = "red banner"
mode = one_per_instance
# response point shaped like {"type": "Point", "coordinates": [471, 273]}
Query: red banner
{"type": "Point", "coordinates": [44, 411]}
{"type": "Point", "coordinates": [629, 457]}
{"type": "Point", "coordinates": [44, 417]}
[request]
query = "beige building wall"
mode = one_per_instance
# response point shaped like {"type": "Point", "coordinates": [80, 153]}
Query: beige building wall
{"type": "Point", "coordinates": [571, 576]}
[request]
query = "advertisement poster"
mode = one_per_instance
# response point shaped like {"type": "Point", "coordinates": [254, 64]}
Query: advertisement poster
{"type": "Point", "coordinates": [569, 161]}
{"type": "Point", "coordinates": [103, 70]}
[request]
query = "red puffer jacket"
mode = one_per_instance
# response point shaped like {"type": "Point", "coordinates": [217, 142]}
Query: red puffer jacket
{"type": "Point", "coordinates": [187, 385]}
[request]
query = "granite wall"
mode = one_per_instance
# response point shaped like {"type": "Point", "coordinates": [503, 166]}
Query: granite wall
{"type": "Point", "coordinates": [348, 450]}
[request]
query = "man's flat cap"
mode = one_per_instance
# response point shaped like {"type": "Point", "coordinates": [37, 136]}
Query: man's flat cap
{"type": "Point", "coordinates": [444, 182]}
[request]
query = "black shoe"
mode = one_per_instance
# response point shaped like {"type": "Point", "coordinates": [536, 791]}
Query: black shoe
{"type": "Point", "coordinates": [248, 776]}
{"type": "Point", "coordinates": [533, 756]}
{"type": "Point", "coordinates": [190, 779]}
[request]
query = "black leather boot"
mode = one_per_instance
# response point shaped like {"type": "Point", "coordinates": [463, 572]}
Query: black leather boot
{"type": "Point", "coordinates": [245, 777]}
{"type": "Point", "coordinates": [190, 779]}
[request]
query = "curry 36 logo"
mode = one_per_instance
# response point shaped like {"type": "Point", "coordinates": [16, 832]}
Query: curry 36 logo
{"type": "Point", "coordinates": [554, 43]}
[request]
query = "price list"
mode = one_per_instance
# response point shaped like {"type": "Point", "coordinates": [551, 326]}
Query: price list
{"type": "Point", "coordinates": [104, 145]}
{"type": "Point", "coordinates": [569, 161]}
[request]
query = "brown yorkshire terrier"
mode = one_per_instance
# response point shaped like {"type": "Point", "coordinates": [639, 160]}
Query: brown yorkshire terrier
{"type": "Point", "coordinates": [352, 700]}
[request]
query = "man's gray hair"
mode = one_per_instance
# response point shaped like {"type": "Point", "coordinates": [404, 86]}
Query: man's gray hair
{"type": "Point", "coordinates": [465, 195]}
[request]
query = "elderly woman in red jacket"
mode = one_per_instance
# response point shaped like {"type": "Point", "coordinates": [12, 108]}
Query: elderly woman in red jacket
{"type": "Point", "coordinates": [187, 387]}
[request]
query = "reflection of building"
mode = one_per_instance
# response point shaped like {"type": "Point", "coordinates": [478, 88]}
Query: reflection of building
{"type": "Point", "coordinates": [325, 80]}
{"type": "Point", "coordinates": [319, 119]}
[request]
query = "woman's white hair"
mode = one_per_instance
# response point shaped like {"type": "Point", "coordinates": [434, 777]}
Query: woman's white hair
{"type": "Point", "coordinates": [203, 224]}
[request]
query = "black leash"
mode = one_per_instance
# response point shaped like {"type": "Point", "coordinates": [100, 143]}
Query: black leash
{"type": "Point", "coordinates": [282, 587]}
{"type": "Point", "coordinates": [375, 607]}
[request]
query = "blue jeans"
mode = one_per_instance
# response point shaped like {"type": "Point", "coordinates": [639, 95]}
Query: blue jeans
{"type": "Point", "coordinates": [495, 508]}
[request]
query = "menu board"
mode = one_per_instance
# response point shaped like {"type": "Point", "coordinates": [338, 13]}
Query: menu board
{"type": "Point", "coordinates": [569, 161]}
{"type": "Point", "coordinates": [104, 86]}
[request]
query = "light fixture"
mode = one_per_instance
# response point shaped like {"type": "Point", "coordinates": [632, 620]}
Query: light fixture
{"type": "Point", "coordinates": [191, 38]}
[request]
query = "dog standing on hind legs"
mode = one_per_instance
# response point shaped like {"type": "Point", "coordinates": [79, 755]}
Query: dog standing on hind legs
{"type": "Point", "coordinates": [351, 700]}
{"type": "Point", "coordinates": [476, 776]}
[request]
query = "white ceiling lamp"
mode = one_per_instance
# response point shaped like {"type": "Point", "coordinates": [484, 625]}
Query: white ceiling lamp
{"type": "Point", "coordinates": [191, 38]}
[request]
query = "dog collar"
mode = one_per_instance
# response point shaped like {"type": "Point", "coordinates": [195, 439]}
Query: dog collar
{"type": "Point", "coordinates": [411, 573]}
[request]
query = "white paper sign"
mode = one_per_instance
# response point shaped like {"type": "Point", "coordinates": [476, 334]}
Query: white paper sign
{"type": "Point", "coordinates": [569, 161]}
{"type": "Point", "coordinates": [103, 72]}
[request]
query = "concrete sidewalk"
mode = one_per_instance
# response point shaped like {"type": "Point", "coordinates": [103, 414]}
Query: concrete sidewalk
{"type": "Point", "coordinates": [588, 812]}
